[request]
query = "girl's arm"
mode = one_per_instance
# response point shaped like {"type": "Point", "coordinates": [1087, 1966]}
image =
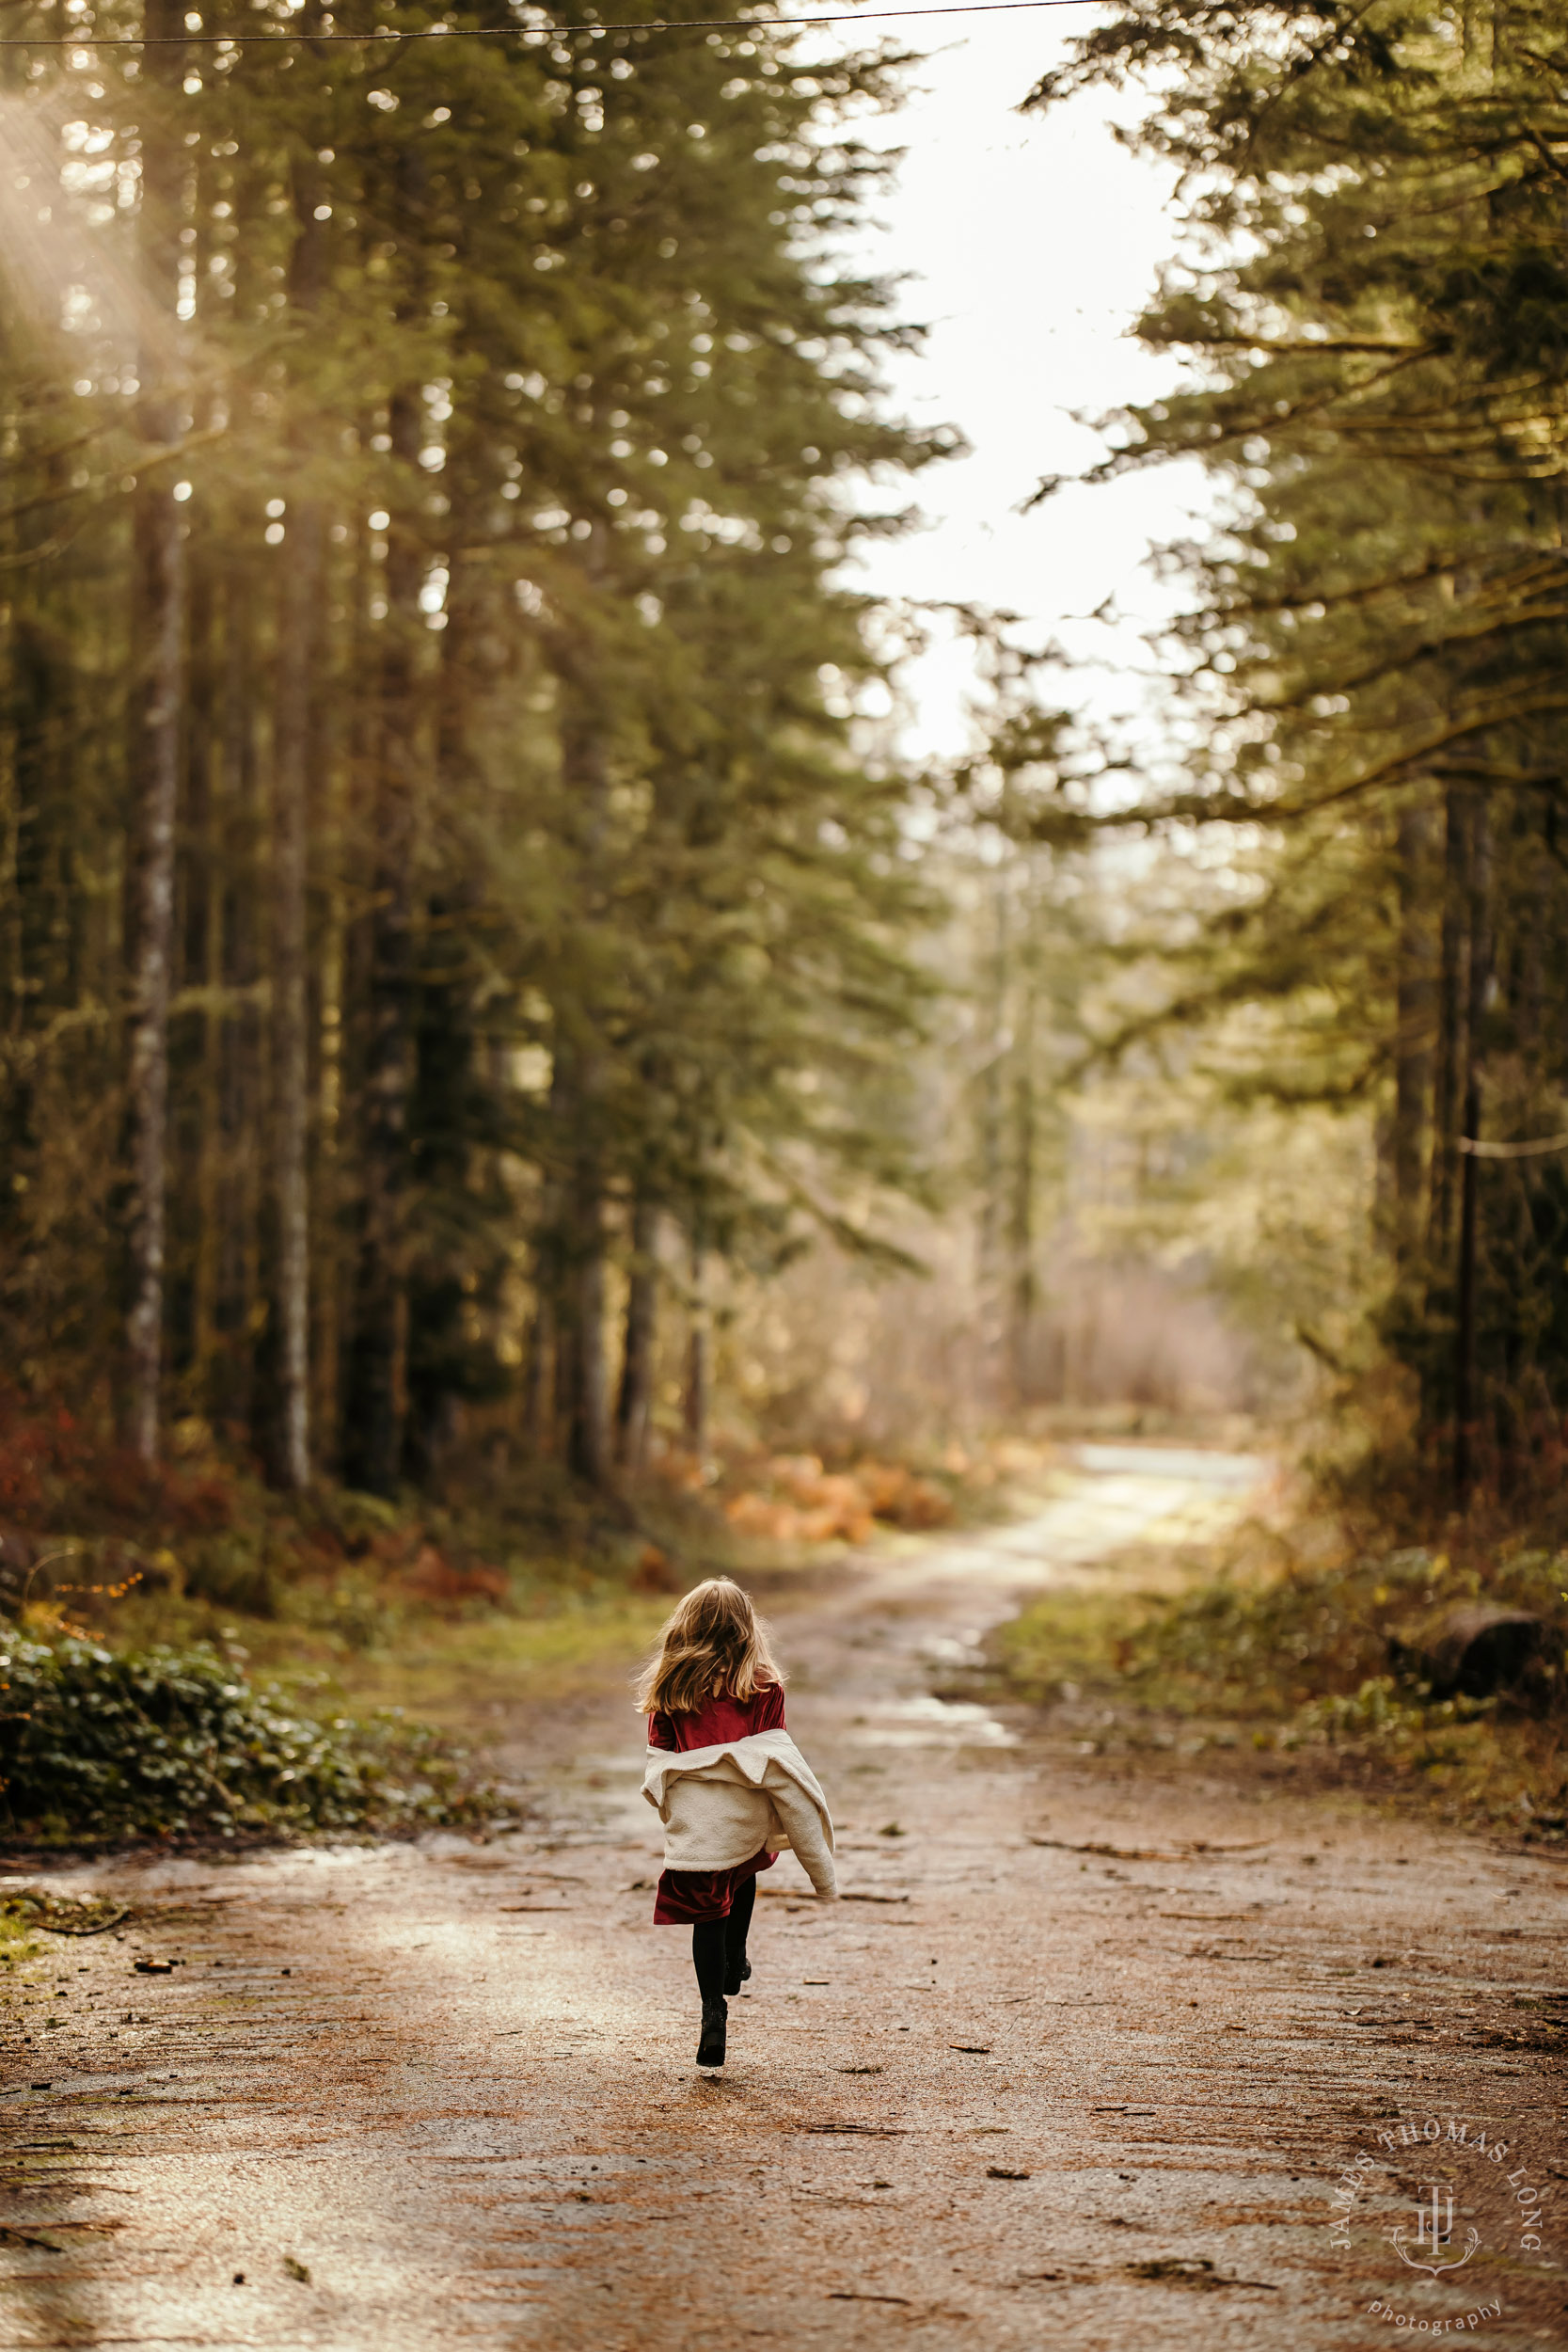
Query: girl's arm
{"type": "Point", "coordinates": [660, 1732]}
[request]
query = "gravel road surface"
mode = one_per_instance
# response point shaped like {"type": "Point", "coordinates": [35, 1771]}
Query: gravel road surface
{"type": "Point", "coordinates": [1097, 2051]}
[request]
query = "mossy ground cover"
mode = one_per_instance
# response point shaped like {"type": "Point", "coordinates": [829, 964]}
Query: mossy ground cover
{"type": "Point", "coordinates": [346, 1622]}
{"type": "Point", "coordinates": [99, 1746]}
{"type": "Point", "coordinates": [449, 1660]}
{"type": "Point", "coordinates": [1313, 1662]}
{"type": "Point", "coordinates": [348, 1706]}
{"type": "Point", "coordinates": [18, 1942]}
{"type": "Point", "coordinates": [190, 1655]}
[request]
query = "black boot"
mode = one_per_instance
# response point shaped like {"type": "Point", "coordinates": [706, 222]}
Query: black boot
{"type": "Point", "coordinates": [735, 1974]}
{"type": "Point", "coordinates": [711, 2050]}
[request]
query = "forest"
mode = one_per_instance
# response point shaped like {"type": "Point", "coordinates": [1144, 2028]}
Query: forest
{"type": "Point", "coordinates": [1371, 306]}
{"type": "Point", "coordinates": [436, 857]}
{"type": "Point", "coordinates": [488, 1004]}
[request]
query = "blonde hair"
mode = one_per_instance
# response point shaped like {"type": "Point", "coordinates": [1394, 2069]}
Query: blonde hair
{"type": "Point", "coordinates": [713, 1645]}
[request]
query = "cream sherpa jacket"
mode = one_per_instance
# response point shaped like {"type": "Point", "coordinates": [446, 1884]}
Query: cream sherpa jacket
{"type": "Point", "coordinates": [721, 1805]}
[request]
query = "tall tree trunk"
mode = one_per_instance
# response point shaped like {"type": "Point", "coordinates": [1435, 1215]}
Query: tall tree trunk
{"type": "Point", "coordinates": [577, 1096]}
{"type": "Point", "coordinates": [299, 622]}
{"type": "Point", "coordinates": [990, 1239]}
{"type": "Point", "coordinates": [536, 1371]}
{"type": "Point", "coordinates": [158, 609]}
{"type": "Point", "coordinates": [1449, 1088]}
{"type": "Point", "coordinates": [589, 1451]}
{"type": "Point", "coordinates": [1464, 1320]}
{"type": "Point", "coordinates": [634, 1398]}
{"type": "Point", "coordinates": [574, 1248]}
{"type": "Point", "coordinates": [1021, 1281]}
{"type": "Point", "coordinates": [347, 752]}
{"type": "Point", "coordinates": [234, 1389]}
{"type": "Point", "coordinates": [450, 1076]}
{"type": "Point", "coordinates": [205, 965]}
{"type": "Point", "coordinates": [1413, 1015]}
{"type": "Point", "coordinates": [376, 1405]}
{"type": "Point", "coordinates": [698, 1369]}
{"type": "Point", "coordinates": [326, 1288]}
{"type": "Point", "coordinates": [299, 625]}
{"type": "Point", "coordinates": [159, 601]}
{"type": "Point", "coordinates": [1465, 1384]}
{"type": "Point", "coordinates": [379, 1384]}
{"type": "Point", "coordinates": [545, 1387]}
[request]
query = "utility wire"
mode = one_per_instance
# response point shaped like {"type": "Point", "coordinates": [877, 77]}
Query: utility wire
{"type": "Point", "coordinates": [530, 32]}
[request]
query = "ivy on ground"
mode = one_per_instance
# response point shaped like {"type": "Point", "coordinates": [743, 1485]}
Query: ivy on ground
{"type": "Point", "coordinates": [164, 1742]}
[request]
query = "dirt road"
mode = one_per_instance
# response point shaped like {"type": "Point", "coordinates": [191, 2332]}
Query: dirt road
{"type": "Point", "coordinates": [1093, 2053]}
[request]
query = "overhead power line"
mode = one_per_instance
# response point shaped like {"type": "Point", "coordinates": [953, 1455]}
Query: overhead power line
{"type": "Point", "coordinates": [532, 32]}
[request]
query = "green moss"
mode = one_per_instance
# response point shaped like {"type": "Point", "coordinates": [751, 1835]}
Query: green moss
{"type": "Point", "coordinates": [456, 1672]}
{"type": "Point", "coordinates": [17, 1941]}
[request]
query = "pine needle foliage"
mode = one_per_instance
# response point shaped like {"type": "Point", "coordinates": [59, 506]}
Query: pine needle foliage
{"type": "Point", "coordinates": [1369, 302]}
{"type": "Point", "coordinates": [432, 835]}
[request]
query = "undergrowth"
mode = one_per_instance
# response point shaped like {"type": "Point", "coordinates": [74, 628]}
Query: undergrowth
{"type": "Point", "coordinates": [189, 1655]}
{"type": "Point", "coordinates": [17, 1941]}
{"type": "Point", "coordinates": [97, 1746]}
{"type": "Point", "coordinates": [1320, 1664]}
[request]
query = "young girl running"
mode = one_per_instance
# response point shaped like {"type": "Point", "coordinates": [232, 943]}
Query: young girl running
{"type": "Point", "coordinates": [729, 1785]}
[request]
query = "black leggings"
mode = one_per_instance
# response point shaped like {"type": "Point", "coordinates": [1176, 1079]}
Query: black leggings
{"type": "Point", "coordinates": [719, 1945]}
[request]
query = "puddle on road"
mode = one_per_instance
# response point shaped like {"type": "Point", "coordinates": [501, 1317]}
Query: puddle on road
{"type": "Point", "coordinates": [944, 1650]}
{"type": "Point", "coordinates": [1191, 1464]}
{"type": "Point", "coordinates": [928, 1722]}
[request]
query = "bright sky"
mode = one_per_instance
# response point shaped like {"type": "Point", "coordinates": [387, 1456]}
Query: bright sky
{"type": "Point", "coordinates": [1032, 245]}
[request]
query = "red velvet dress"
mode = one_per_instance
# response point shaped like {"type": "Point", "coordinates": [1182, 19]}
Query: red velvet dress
{"type": "Point", "coordinates": [684, 1897]}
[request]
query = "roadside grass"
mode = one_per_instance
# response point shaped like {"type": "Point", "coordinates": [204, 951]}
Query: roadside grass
{"type": "Point", "coordinates": [363, 1646]}
{"type": "Point", "coordinates": [457, 1670]}
{"type": "Point", "coordinates": [1313, 1663]}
